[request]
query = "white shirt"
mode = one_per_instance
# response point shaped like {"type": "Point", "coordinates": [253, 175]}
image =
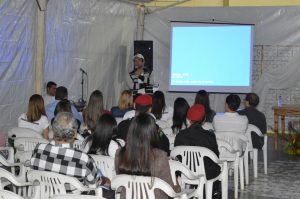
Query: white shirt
{"type": "Point", "coordinates": [230, 122]}
{"type": "Point", "coordinates": [48, 99]}
{"type": "Point", "coordinates": [112, 148]}
{"type": "Point", "coordinates": [38, 126]}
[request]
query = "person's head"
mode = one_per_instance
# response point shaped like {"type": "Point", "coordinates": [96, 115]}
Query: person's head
{"type": "Point", "coordinates": [106, 127]}
{"type": "Point", "coordinates": [36, 108]}
{"type": "Point", "coordinates": [158, 104]}
{"type": "Point", "coordinates": [64, 127]}
{"type": "Point", "coordinates": [136, 156]}
{"type": "Point", "coordinates": [94, 109]}
{"type": "Point", "coordinates": [51, 88]}
{"type": "Point", "coordinates": [196, 114]}
{"type": "Point", "coordinates": [181, 107]}
{"type": "Point", "coordinates": [233, 102]}
{"type": "Point", "coordinates": [61, 93]}
{"type": "Point", "coordinates": [63, 106]}
{"type": "Point", "coordinates": [202, 97]}
{"type": "Point", "coordinates": [143, 104]}
{"type": "Point", "coordinates": [138, 61]}
{"type": "Point", "coordinates": [252, 100]}
{"type": "Point", "coordinates": [125, 100]}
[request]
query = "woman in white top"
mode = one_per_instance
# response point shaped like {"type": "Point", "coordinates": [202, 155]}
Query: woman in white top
{"type": "Point", "coordinates": [159, 108]}
{"type": "Point", "coordinates": [35, 118]}
{"type": "Point", "coordinates": [103, 138]}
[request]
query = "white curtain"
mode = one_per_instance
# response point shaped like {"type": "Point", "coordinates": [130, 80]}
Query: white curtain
{"type": "Point", "coordinates": [17, 44]}
{"type": "Point", "coordinates": [95, 35]}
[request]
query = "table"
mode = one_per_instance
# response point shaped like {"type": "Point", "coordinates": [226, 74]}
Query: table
{"type": "Point", "coordinates": [283, 111]}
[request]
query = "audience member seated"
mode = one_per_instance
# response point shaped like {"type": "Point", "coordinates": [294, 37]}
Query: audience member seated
{"type": "Point", "coordinates": [92, 112]}
{"type": "Point", "coordinates": [202, 97]}
{"type": "Point", "coordinates": [181, 107]}
{"type": "Point", "coordinates": [256, 118]}
{"type": "Point", "coordinates": [103, 139]}
{"type": "Point", "coordinates": [61, 93]}
{"type": "Point", "coordinates": [58, 156]}
{"type": "Point", "coordinates": [64, 106]}
{"type": "Point", "coordinates": [141, 155]}
{"type": "Point", "coordinates": [195, 135]}
{"type": "Point", "coordinates": [143, 104]}
{"type": "Point", "coordinates": [125, 104]}
{"type": "Point", "coordinates": [50, 93]}
{"type": "Point", "coordinates": [159, 108]}
{"type": "Point", "coordinates": [35, 118]}
{"type": "Point", "coordinates": [231, 121]}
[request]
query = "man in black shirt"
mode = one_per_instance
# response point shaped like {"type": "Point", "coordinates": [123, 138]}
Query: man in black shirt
{"type": "Point", "coordinates": [256, 118]}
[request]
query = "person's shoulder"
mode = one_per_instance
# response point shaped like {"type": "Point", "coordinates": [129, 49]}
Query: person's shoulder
{"type": "Point", "coordinates": [158, 153]}
{"type": "Point", "coordinates": [22, 116]}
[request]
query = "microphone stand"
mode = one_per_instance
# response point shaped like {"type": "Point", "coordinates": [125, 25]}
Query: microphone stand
{"type": "Point", "coordinates": [82, 82]}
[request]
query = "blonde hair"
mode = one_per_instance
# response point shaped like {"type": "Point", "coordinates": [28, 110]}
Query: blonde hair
{"type": "Point", "coordinates": [125, 100]}
{"type": "Point", "coordinates": [36, 108]}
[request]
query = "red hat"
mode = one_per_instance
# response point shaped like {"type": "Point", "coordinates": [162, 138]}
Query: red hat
{"type": "Point", "coordinates": [196, 113]}
{"type": "Point", "coordinates": [143, 100]}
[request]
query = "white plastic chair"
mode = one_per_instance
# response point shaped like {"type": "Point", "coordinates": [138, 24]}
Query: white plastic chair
{"type": "Point", "coordinates": [47, 184]}
{"type": "Point", "coordinates": [233, 159]}
{"type": "Point", "coordinates": [143, 186]}
{"type": "Point", "coordinates": [192, 157]}
{"type": "Point", "coordinates": [254, 128]}
{"type": "Point", "coordinates": [23, 132]}
{"type": "Point", "coordinates": [10, 151]}
{"type": "Point", "coordinates": [106, 164]}
{"type": "Point", "coordinates": [187, 174]}
{"type": "Point", "coordinates": [72, 196]}
{"type": "Point", "coordinates": [6, 163]}
{"type": "Point", "coordinates": [9, 195]}
{"type": "Point", "coordinates": [28, 143]}
{"type": "Point", "coordinates": [239, 142]}
{"type": "Point", "coordinates": [19, 186]}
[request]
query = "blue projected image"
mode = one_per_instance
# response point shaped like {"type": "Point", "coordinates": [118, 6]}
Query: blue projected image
{"type": "Point", "coordinates": [215, 57]}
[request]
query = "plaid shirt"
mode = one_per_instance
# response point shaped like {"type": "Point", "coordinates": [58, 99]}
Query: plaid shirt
{"type": "Point", "coordinates": [61, 158]}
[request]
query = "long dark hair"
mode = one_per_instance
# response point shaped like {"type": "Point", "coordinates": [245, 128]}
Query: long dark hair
{"type": "Point", "coordinates": [181, 107]}
{"type": "Point", "coordinates": [158, 104]}
{"type": "Point", "coordinates": [94, 109]}
{"type": "Point", "coordinates": [136, 156]}
{"type": "Point", "coordinates": [105, 131]}
{"type": "Point", "coordinates": [202, 97]}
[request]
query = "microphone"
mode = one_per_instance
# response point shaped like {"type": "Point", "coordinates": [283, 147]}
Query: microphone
{"type": "Point", "coordinates": [83, 71]}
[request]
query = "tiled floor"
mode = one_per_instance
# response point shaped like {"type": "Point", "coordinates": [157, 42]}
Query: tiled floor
{"type": "Point", "coordinates": [281, 182]}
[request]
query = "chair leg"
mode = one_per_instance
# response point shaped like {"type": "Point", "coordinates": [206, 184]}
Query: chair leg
{"type": "Point", "coordinates": [255, 162]}
{"type": "Point", "coordinates": [265, 151]}
{"type": "Point", "coordinates": [236, 180]}
{"type": "Point", "coordinates": [208, 189]}
{"type": "Point", "coordinates": [246, 168]}
{"type": "Point", "coordinates": [241, 167]}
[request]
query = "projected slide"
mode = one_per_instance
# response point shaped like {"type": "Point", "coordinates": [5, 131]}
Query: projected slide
{"type": "Point", "coordinates": [215, 57]}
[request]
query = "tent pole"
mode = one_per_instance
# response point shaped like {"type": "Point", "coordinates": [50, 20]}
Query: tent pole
{"type": "Point", "coordinates": [140, 22]}
{"type": "Point", "coordinates": [39, 55]}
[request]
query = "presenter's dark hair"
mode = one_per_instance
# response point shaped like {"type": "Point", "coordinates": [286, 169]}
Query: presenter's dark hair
{"type": "Point", "coordinates": [181, 107]}
{"type": "Point", "coordinates": [253, 99]}
{"type": "Point", "coordinates": [136, 156]}
{"type": "Point", "coordinates": [158, 104]}
{"type": "Point", "coordinates": [61, 93]}
{"type": "Point", "coordinates": [233, 101]}
{"type": "Point", "coordinates": [50, 84]}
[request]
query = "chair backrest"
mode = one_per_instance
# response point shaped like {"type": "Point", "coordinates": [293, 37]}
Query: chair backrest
{"type": "Point", "coordinates": [252, 128]}
{"type": "Point", "coordinates": [106, 164]}
{"type": "Point", "coordinates": [226, 151]}
{"type": "Point", "coordinates": [192, 157]}
{"type": "Point", "coordinates": [19, 186]}
{"type": "Point", "coordinates": [28, 143]}
{"type": "Point", "coordinates": [23, 132]}
{"type": "Point", "coordinates": [51, 183]}
{"type": "Point", "coordinates": [4, 194]}
{"type": "Point", "coordinates": [235, 139]}
{"type": "Point", "coordinates": [141, 186]}
{"type": "Point", "coordinates": [73, 196]}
